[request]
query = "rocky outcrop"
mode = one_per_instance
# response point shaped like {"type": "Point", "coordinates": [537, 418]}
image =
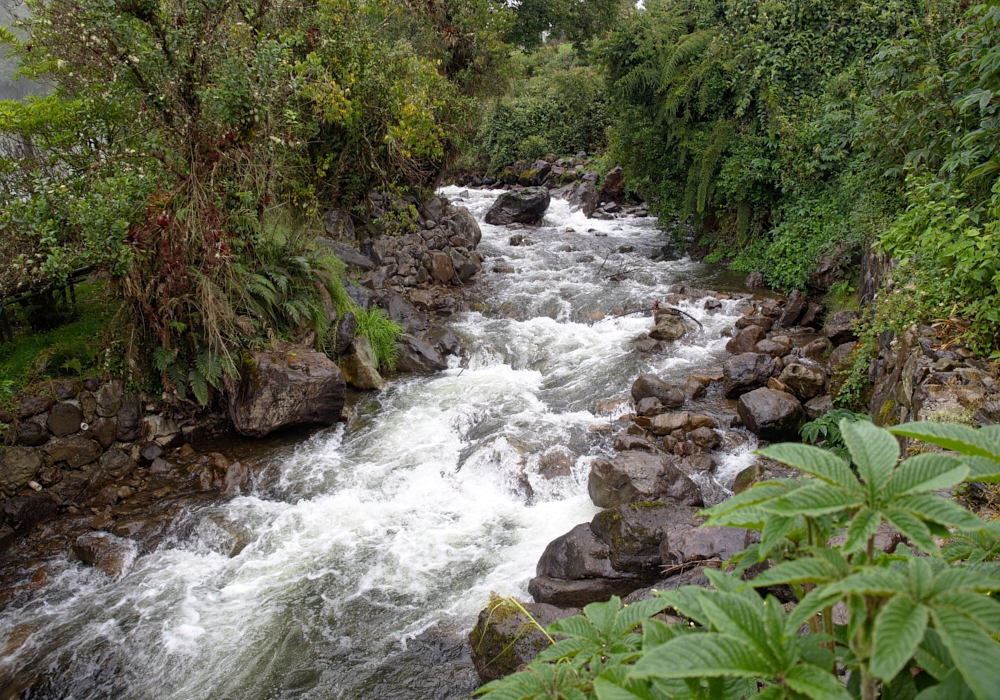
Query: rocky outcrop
{"type": "Point", "coordinates": [746, 372]}
{"type": "Point", "coordinates": [634, 476]}
{"type": "Point", "coordinates": [288, 386]}
{"type": "Point", "coordinates": [525, 206]}
{"type": "Point", "coordinates": [507, 635]}
{"type": "Point", "coordinates": [360, 367]}
{"type": "Point", "coordinates": [613, 188]}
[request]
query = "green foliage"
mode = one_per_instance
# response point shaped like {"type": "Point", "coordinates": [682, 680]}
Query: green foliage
{"type": "Point", "coordinates": [825, 431]}
{"type": "Point", "coordinates": [573, 20]}
{"type": "Point", "coordinates": [920, 624]}
{"type": "Point", "coordinates": [555, 105]}
{"type": "Point", "coordinates": [382, 332]}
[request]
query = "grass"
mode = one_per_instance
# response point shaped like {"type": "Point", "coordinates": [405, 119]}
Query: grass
{"type": "Point", "coordinates": [68, 350]}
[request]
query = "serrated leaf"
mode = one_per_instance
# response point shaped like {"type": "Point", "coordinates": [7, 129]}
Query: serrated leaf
{"type": "Point", "coordinates": [912, 528]}
{"type": "Point", "coordinates": [933, 656]}
{"type": "Point", "coordinates": [982, 469]}
{"type": "Point", "coordinates": [605, 689]}
{"type": "Point", "coordinates": [775, 529]}
{"type": "Point", "coordinates": [814, 602]}
{"type": "Point", "coordinates": [199, 387]}
{"type": "Point", "coordinates": [963, 578]}
{"type": "Point", "coordinates": [576, 626]}
{"type": "Point", "coordinates": [813, 501]}
{"type": "Point", "coordinates": [925, 473]}
{"type": "Point", "coordinates": [603, 615]}
{"type": "Point", "coordinates": [952, 687]}
{"type": "Point", "coordinates": [982, 609]}
{"type": "Point", "coordinates": [815, 682]}
{"type": "Point", "coordinates": [797, 571]}
{"type": "Point", "coordinates": [757, 493]}
{"type": "Point", "coordinates": [632, 615]}
{"type": "Point", "coordinates": [564, 648]}
{"type": "Point", "coordinates": [735, 616]}
{"type": "Point", "coordinates": [863, 526]}
{"type": "Point", "coordinates": [815, 462]}
{"type": "Point", "coordinates": [870, 581]}
{"type": "Point", "coordinates": [655, 633]}
{"type": "Point", "coordinates": [975, 653]}
{"type": "Point", "coordinates": [959, 438]}
{"type": "Point", "coordinates": [875, 452]}
{"type": "Point", "coordinates": [702, 656]}
{"type": "Point", "coordinates": [939, 510]}
{"type": "Point", "coordinates": [899, 629]}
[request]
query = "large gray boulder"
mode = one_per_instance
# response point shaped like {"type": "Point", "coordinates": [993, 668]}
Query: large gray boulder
{"type": "Point", "coordinates": [580, 592]}
{"type": "Point", "coordinates": [585, 198]}
{"type": "Point", "coordinates": [348, 254]}
{"type": "Point", "coordinates": [840, 327]}
{"type": "Point", "coordinates": [635, 476]}
{"type": "Point", "coordinates": [746, 372]}
{"type": "Point", "coordinates": [803, 380]}
{"type": "Point", "coordinates": [576, 555]}
{"type": "Point", "coordinates": [634, 533]}
{"type": "Point", "coordinates": [360, 367]}
{"type": "Point", "coordinates": [772, 415]}
{"type": "Point", "coordinates": [525, 206]}
{"type": "Point", "coordinates": [288, 386]}
{"type": "Point", "coordinates": [420, 356]}
{"type": "Point", "coordinates": [702, 544]}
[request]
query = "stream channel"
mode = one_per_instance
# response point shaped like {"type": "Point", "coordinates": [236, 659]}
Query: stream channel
{"type": "Point", "coordinates": [370, 554]}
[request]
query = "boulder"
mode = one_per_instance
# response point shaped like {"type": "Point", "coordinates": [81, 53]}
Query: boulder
{"type": "Point", "coordinates": [22, 514]}
{"type": "Point", "coordinates": [32, 433]}
{"type": "Point", "coordinates": [18, 466]}
{"type": "Point", "coordinates": [75, 450]}
{"type": "Point", "coordinates": [666, 423]}
{"type": "Point", "coordinates": [746, 340]}
{"type": "Point", "coordinates": [840, 327]}
{"type": "Point", "coordinates": [556, 462]}
{"type": "Point", "coordinates": [360, 367]}
{"type": "Point", "coordinates": [109, 399]}
{"type": "Point", "coordinates": [614, 186]}
{"type": "Point", "coordinates": [699, 544]}
{"type": "Point", "coordinates": [578, 593]}
{"type": "Point", "coordinates": [772, 415]}
{"type": "Point", "coordinates": [746, 372]}
{"type": "Point", "coordinates": [344, 336]}
{"type": "Point", "coordinates": [110, 554]}
{"type": "Point", "coordinates": [347, 254]}
{"type": "Point", "coordinates": [441, 267]}
{"type": "Point", "coordinates": [804, 381]}
{"type": "Point", "coordinates": [288, 386]}
{"type": "Point", "coordinates": [636, 476]}
{"type": "Point", "coordinates": [794, 309]}
{"type": "Point", "coordinates": [130, 419]}
{"type": "Point", "coordinates": [633, 533]}
{"type": "Point", "coordinates": [668, 328]}
{"type": "Point", "coordinates": [773, 347]}
{"type": "Point", "coordinates": [403, 312]}
{"type": "Point", "coordinates": [585, 198]}
{"type": "Point", "coordinates": [764, 322]}
{"type": "Point", "coordinates": [64, 419]}
{"type": "Point", "coordinates": [463, 224]}
{"type": "Point", "coordinates": [444, 340]}
{"type": "Point", "coordinates": [817, 350]}
{"type": "Point", "coordinates": [649, 385]}
{"type": "Point", "coordinates": [578, 554]}
{"type": "Point", "coordinates": [813, 316]}
{"type": "Point", "coordinates": [88, 405]}
{"type": "Point", "coordinates": [105, 431]}
{"type": "Point", "coordinates": [818, 406]}
{"type": "Point", "coordinates": [525, 206]}
{"type": "Point", "coordinates": [505, 638]}
{"type": "Point", "coordinates": [338, 224]}
{"type": "Point", "coordinates": [415, 355]}
{"type": "Point", "coordinates": [755, 280]}
{"type": "Point", "coordinates": [704, 438]}
{"type": "Point", "coordinates": [117, 464]}
{"type": "Point", "coordinates": [33, 406]}
{"type": "Point", "coordinates": [649, 406]}
{"type": "Point", "coordinates": [840, 356]}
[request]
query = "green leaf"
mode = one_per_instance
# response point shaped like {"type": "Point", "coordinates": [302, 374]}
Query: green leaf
{"type": "Point", "coordinates": [952, 687]}
{"type": "Point", "coordinates": [702, 656]}
{"type": "Point", "coordinates": [959, 438]}
{"type": "Point", "coordinates": [815, 462]}
{"type": "Point", "coordinates": [814, 500]}
{"type": "Point", "coordinates": [975, 653]}
{"type": "Point", "coordinates": [607, 689]}
{"type": "Point", "coordinates": [564, 648]}
{"type": "Point", "coordinates": [912, 528]}
{"type": "Point", "coordinates": [199, 387]}
{"type": "Point", "coordinates": [933, 655]}
{"type": "Point", "coordinates": [758, 493]}
{"type": "Point", "coordinates": [925, 473]}
{"type": "Point", "coordinates": [870, 581]}
{"type": "Point", "coordinates": [797, 571]}
{"type": "Point", "coordinates": [939, 510]}
{"type": "Point", "coordinates": [814, 602]}
{"type": "Point", "coordinates": [862, 527]}
{"type": "Point", "coordinates": [815, 682]}
{"type": "Point", "coordinates": [982, 469]}
{"type": "Point", "coordinates": [964, 578]}
{"type": "Point", "coordinates": [775, 528]}
{"type": "Point", "coordinates": [875, 452]}
{"type": "Point", "coordinates": [576, 626]}
{"type": "Point", "coordinates": [632, 615]}
{"type": "Point", "coordinates": [655, 633]}
{"type": "Point", "coordinates": [899, 629]}
{"type": "Point", "coordinates": [737, 617]}
{"type": "Point", "coordinates": [602, 615]}
{"type": "Point", "coordinates": [982, 609]}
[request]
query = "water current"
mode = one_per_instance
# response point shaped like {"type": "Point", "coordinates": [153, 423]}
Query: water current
{"type": "Point", "coordinates": [368, 558]}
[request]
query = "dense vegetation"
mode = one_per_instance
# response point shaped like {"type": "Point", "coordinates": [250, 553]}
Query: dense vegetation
{"type": "Point", "coordinates": [920, 623]}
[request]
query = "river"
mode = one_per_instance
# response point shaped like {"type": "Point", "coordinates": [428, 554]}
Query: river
{"type": "Point", "coordinates": [368, 557]}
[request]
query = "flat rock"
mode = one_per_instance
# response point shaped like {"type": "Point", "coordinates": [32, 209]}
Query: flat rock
{"type": "Point", "coordinates": [633, 533]}
{"type": "Point", "coordinates": [636, 476]}
{"type": "Point", "coordinates": [18, 466]}
{"type": "Point", "coordinates": [416, 355]}
{"type": "Point", "coordinates": [110, 554]}
{"type": "Point", "coordinates": [525, 206]}
{"type": "Point", "coordinates": [840, 327]}
{"type": "Point", "coordinates": [649, 385]}
{"type": "Point", "coordinates": [64, 419]}
{"type": "Point", "coordinates": [698, 544]}
{"type": "Point", "coordinates": [74, 450]}
{"type": "Point", "coordinates": [567, 594]}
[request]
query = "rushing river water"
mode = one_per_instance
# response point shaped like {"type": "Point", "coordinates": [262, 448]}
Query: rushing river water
{"type": "Point", "coordinates": [368, 559]}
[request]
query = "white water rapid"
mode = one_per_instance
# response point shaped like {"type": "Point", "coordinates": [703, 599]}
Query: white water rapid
{"type": "Point", "coordinates": [368, 559]}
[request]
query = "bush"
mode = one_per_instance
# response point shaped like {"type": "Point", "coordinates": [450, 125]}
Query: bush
{"type": "Point", "coordinates": [921, 621]}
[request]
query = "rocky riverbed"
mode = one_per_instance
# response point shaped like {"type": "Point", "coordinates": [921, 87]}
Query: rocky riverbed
{"type": "Point", "coordinates": [356, 560]}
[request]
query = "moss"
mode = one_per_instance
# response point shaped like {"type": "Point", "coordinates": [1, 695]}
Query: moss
{"type": "Point", "coordinates": [527, 176]}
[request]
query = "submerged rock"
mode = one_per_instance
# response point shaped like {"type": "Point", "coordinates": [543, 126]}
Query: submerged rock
{"type": "Point", "coordinates": [291, 385]}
